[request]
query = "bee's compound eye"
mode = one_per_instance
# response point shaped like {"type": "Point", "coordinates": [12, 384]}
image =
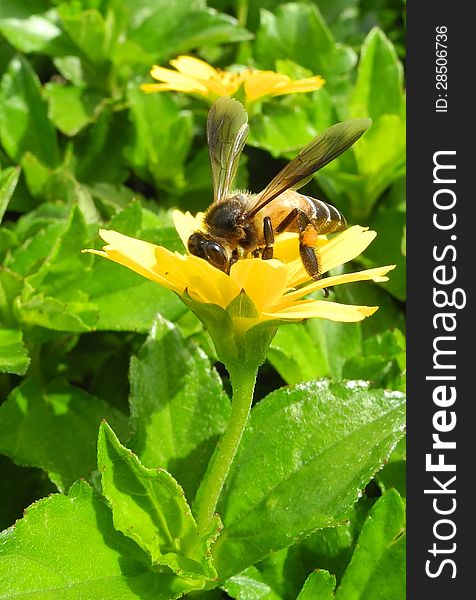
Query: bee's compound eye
{"type": "Point", "coordinates": [216, 255]}
{"type": "Point", "coordinates": [196, 245]}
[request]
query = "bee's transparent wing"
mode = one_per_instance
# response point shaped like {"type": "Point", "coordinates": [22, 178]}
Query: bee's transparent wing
{"type": "Point", "coordinates": [227, 131]}
{"type": "Point", "coordinates": [318, 153]}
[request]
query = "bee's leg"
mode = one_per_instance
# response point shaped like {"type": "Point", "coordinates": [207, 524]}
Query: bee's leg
{"type": "Point", "coordinates": [307, 249]}
{"type": "Point", "coordinates": [233, 260]}
{"type": "Point", "coordinates": [268, 235]}
{"type": "Point", "coordinates": [309, 257]}
{"type": "Point", "coordinates": [288, 219]}
{"type": "Point", "coordinates": [307, 242]}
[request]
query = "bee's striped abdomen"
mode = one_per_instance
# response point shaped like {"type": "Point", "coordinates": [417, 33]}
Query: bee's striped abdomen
{"type": "Point", "coordinates": [326, 218]}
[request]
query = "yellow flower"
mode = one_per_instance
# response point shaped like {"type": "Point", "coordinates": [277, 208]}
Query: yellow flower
{"type": "Point", "coordinates": [276, 287]}
{"type": "Point", "coordinates": [194, 76]}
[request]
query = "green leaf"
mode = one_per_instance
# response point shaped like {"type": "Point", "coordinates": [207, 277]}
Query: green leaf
{"type": "Point", "coordinates": [72, 69]}
{"type": "Point", "coordinates": [377, 568]}
{"type": "Point", "coordinates": [53, 296]}
{"type": "Point", "coordinates": [306, 455]}
{"type": "Point", "coordinates": [386, 249]}
{"type": "Point", "coordinates": [249, 585]}
{"type": "Point", "coordinates": [297, 355]}
{"type": "Point", "coordinates": [86, 29]}
{"type": "Point", "coordinates": [32, 26]}
{"type": "Point", "coordinates": [10, 286]}
{"type": "Point", "coordinates": [125, 301]}
{"type": "Point", "coordinates": [13, 354]}
{"type": "Point", "coordinates": [19, 487]}
{"type": "Point", "coordinates": [381, 360]}
{"type": "Point", "coordinates": [112, 197]}
{"type": "Point", "coordinates": [284, 128]}
{"type": "Point", "coordinates": [72, 108]}
{"type": "Point", "coordinates": [57, 184]}
{"type": "Point", "coordinates": [24, 123]}
{"type": "Point", "coordinates": [54, 428]}
{"type": "Point", "coordinates": [337, 342]}
{"type": "Point", "coordinates": [54, 563]}
{"type": "Point", "coordinates": [8, 182]}
{"type": "Point", "coordinates": [319, 585]}
{"type": "Point", "coordinates": [298, 32]}
{"type": "Point", "coordinates": [178, 407]}
{"type": "Point", "coordinates": [51, 313]}
{"type": "Point", "coordinates": [393, 475]}
{"type": "Point", "coordinates": [204, 28]}
{"type": "Point", "coordinates": [286, 570]}
{"type": "Point", "coordinates": [99, 148]}
{"type": "Point", "coordinates": [379, 161]}
{"type": "Point", "coordinates": [380, 158]}
{"type": "Point", "coordinates": [169, 28]}
{"type": "Point", "coordinates": [330, 548]}
{"type": "Point", "coordinates": [34, 233]}
{"type": "Point", "coordinates": [162, 137]}
{"type": "Point", "coordinates": [43, 215]}
{"type": "Point", "coordinates": [8, 240]}
{"type": "Point", "coordinates": [389, 315]}
{"type": "Point", "coordinates": [149, 506]}
{"type": "Point", "coordinates": [129, 220]}
{"type": "Point", "coordinates": [65, 269]}
{"type": "Point", "coordinates": [379, 86]}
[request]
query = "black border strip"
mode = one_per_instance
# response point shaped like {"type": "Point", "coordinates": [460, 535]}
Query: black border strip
{"type": "Point", "coordinates": [428, 132]}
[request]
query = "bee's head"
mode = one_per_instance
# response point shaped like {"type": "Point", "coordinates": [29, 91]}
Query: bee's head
{"type": "Point", "coordinates": [201, 245]}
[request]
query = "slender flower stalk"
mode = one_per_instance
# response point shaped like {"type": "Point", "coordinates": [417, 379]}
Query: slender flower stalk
{"type": "Point", "coordinates": [243, 383]}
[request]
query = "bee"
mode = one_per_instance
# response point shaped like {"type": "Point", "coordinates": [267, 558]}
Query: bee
{"type": "Point", "coordinates": [239, 223]}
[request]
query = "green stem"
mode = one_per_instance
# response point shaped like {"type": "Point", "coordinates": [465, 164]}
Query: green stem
{"type": "Point", "coordinates": [242, 12]}
{"type": "Point", "coordinates": [243, 382]}
{"type": "Point", "coordinates": [243, 54]}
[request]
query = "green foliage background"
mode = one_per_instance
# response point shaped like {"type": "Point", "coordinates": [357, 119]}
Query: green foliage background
{"type": "Point", "coordinates": [83, 340]}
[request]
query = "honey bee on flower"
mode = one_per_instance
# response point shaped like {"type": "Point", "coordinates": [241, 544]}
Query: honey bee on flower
{"type": "Point", "coordinates": [226, 245]}
{"type": "Point", "coordinates": [239, 223]}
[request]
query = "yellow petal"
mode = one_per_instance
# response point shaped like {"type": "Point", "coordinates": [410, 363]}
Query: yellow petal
{"type": "Point", "coordinates": [264, 281]}
{"type": "Point", "coordinates": [139, 257]}
{"type": "Point", "coordinates": [186, 224]}
{"type": "Point", "coordinates": [261, 83]}
{"type": "Point", "coordinates": [223, 86]}
{"type": "Point", "coordinates": [344, 247]}
{"type": "Point", "coordinates": [286, 248]}
{"type": "Point", "coordinates": [205, 283]}
{"type": "Point", "coordinates": [325, 310]}
{"type": "Point", "coordinates": [193, 67]}
{"type": "Point", "coordinates": [300, 85]}
{"type": "Point", "coordinates": [150, 88]}
{"type": "Point", "coordinates": [140, 251]}
{"type": "Point", "coordinates": [377, 274]}
{"type": "Point", "coordinates": [151, 261]}
{"type": "Point", "coordinates": [177, 81]}
{"type": "Point", "coordinates": [172, 270]}
{"type": "Point", "coordinates": [258, 84]}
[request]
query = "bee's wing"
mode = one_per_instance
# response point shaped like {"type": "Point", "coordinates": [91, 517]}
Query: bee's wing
{"type": "Point", "coordinates": [318, 153]}
{"type": "Point", "coordinates": [227, 131]}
